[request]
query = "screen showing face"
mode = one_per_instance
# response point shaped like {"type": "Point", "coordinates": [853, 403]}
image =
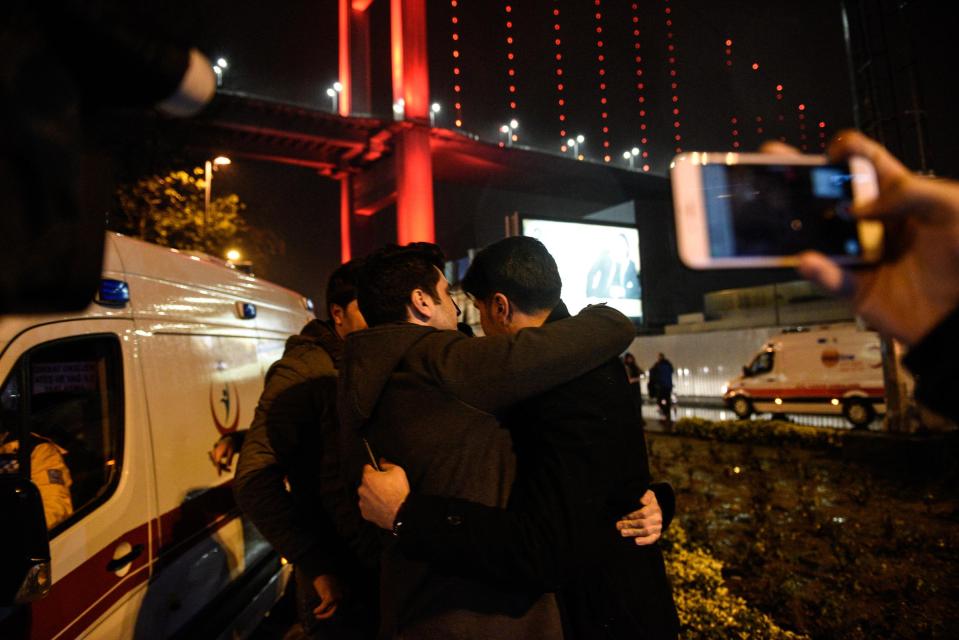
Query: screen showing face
{"type": "Point", "coordinates": [597, 263]}
{"type": "Point", "coordinates": [779, 210]}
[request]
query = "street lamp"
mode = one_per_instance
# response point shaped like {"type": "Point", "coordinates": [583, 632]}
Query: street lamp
{"type": "Point", "coordinates": [434, 109]}
{"type": "Point", "coordinates": [631, 156]}
{"type": "Point", "coordinates": [334, 93]}
{"type": "Point", "coordinates": [209, 167]}
{"type": "Point", "coordinates": [218, 68]}
{"type": "Point", "coordinates": [508, 129]}
{"type": "Point", "coordinates": [573, 143]}
{"type": "Point", "coordinates": [233, 255]}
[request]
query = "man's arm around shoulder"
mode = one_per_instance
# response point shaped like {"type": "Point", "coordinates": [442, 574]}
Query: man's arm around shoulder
{"type": "Point", "coordinates": [496, 372]}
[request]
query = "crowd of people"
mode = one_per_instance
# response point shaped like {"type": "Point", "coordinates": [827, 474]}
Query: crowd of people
{"type": "Point", "coordinates": [428, 484]}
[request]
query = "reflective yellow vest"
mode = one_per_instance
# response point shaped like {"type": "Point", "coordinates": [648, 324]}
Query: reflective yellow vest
{"type": "Point", "coordinates": [50, 473]}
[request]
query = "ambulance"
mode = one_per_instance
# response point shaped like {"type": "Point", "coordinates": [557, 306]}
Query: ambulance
{"type": "Point", "coordinates": [824, 370]}
{"type": "Point", "coordinates": [127, 398]}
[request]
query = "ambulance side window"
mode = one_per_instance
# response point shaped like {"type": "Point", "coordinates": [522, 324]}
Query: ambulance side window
{"type": "Point", "coordinates": [763, 363]}
{"type": "Point", "coordinates": [61, 414]}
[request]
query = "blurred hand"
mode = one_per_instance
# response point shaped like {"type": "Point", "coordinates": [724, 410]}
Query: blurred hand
{"type": "Point", "coordinates": [916, 284]}
{"type": "Point", "coordinates": [645, 525]}
{"type": "Point", "coordinates": [382, 493]}
{"type": "Point", "coordinates": [222, 454]}
{"type": "Point", "coordinates": [328, 589]}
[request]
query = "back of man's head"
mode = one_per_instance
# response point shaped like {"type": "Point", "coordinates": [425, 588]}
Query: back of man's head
{"type": "Point", "coordinates": [341, 287]}
{"type": "Point", "coordinates": [389, 275]}
{"type": "Point", "coordinates": [521, 269]}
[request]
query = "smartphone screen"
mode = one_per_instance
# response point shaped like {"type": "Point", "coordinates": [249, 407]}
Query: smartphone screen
{"type": "Point", "coordinates": [779, 210]}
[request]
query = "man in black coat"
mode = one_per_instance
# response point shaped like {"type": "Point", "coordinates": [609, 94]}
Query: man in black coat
{"type": "Point", "coordinates": [295, 428]}
{"type": "Point", "coordinates": [581, 464]}
{"type": "Point", "coordinates": [424, 395]}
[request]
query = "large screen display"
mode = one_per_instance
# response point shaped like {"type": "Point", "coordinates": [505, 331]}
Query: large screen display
{"type": "Point", "coordinates": [597, 262]}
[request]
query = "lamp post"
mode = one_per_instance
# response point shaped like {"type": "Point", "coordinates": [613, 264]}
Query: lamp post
{"type": "Point", "coordinates": [573, 143]}
{"type": "Point", "coordinates": [631, 156]}
{"type": "Point", "coordinates": [435, 108]}
{"type": "Point", "coordinates": [334, 93]}
{"type": "Point", "coordinates": [508, 129]}
{"type": "Point", "coordinates": [209, 168]}
{"type": "Point", "coordinates": [218, 68]}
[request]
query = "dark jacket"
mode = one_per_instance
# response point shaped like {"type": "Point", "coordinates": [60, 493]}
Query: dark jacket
{"type": "Point", "coordinates": [661, 378]}
{"type": "Point", "coordinates": [294, 421]}
{"type": "Point", "coordinates": [427, 400]}
{"type": "Point", "coordinates": [935, 363]}
{"type": "Point", "coordinates": [582, 464]}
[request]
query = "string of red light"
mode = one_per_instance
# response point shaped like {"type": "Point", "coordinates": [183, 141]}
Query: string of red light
{"type": "Point", "coordinates": [640, 87]}
{"type": "Point", "coordinates": [806, 138]}
{"type": "Point", "coordinates": [457, 87]}
{"type": "Point", "coordinates": [601, 71]}
{"type": "Point", "coordinates": [560, 82]}
{"type": "Point", "coordinates": [511, 67]}
{"type": "Point", "coordinates": [734, 119]}
{"type": "Point", "coordinates": [780, 116]}
{"type": "Point", "coordinates": [802, 127]}
{"type": "Point", "coordinates": [674, 81]}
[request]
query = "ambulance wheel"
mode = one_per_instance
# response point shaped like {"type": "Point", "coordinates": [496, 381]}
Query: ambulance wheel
{"type": "Point", "coordinates": [742, 407]}
{"type": "Point", "coordinates": [858, 412]}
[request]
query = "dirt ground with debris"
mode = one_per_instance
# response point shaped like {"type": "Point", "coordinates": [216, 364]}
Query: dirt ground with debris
{"type": "Point", "coordinates": [856, 541]}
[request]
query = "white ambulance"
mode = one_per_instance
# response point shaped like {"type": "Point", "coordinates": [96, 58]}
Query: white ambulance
{"type": "Point", "coordinates": [826, 370]}
{"type": "Point", "coordinates": [132, 392]}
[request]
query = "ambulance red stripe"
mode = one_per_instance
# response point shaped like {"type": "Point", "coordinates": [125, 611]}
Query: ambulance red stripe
{"type": "Point", "coordinates": [79, 598]}
{"type": "Point", "coordinates": [830, 391]}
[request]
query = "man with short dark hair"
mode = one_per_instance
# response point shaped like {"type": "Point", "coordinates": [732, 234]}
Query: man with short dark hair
{"type": "Point", "coordinates": [426, 396]}
{"type": "Point", "coordinates": [581, 464]}
{"type": "Point", "coordinates": [293, 440]}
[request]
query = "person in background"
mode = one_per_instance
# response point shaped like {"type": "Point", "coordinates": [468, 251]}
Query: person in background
{"type": "Point", "coordinates": [661, 386]}
{"type": "Point", "coordinates": [912, 294]}
{"type": "Point", "coordinates": [292, 441]}
{"type": "Point", "coordinates": [48, 470]}
{"type": "Point", "coordinates": [634, 375]}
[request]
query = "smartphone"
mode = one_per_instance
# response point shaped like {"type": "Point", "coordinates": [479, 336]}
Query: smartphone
{"type": "Point", "coordinates": [752, 210]}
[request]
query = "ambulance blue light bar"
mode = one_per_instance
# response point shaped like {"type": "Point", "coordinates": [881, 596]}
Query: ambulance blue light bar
{"type": "Point", "coordinates": [245, 310]}
{"type": "Point", "coordinates": [113, 293]}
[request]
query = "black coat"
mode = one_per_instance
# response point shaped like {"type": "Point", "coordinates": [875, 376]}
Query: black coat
{"type": "Point", "coordinates": [582, 464]}
{"type": "Point", "coordinates": [428, 401]}
{"type": "Point", "coordinates": [934, 361]}
{"type": "Point", "coordinates": [294, 428]}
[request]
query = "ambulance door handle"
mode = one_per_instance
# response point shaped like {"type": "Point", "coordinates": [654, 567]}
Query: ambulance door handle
{"type": "Point", "coordinates": [118, 563]}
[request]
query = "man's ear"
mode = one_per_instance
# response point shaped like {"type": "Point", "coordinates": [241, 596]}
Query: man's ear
{"type": "Point", "coordinates": [500, 309]}
{"type": "Point", "coordinates": [337, 315]}
{"type": "Point", "coordinates": [420, 305]}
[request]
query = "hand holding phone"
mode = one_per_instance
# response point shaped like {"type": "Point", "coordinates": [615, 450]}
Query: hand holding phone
{"type": "Point", "coordinates": [752, 210]}
{"type": "Point", "coordinates": [916, 284]}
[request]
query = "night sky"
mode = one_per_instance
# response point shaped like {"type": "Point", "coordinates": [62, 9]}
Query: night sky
{"type": "Point", "coordinates": [288, 51]}
{"type": "Point", "coordinates": [290, 55]}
